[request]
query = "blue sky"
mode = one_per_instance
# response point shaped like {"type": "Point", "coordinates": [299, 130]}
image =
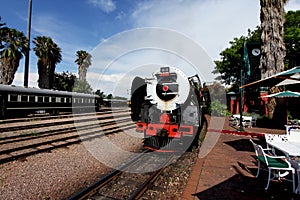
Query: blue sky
{"type": "Point", "coordinates": [86, 24]}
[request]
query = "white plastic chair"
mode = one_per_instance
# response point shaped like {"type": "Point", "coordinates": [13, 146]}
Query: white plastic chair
{"type": "Point", "coordinates": [273, 163]}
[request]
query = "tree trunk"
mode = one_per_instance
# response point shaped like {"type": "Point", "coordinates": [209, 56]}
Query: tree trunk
{"type": "Point", "coordinates": [8, 68]}
{"type": "Point", "coordinates": [82, 72]}
{"type": "Point", "coordinates": [273, 48]}
{"type": "Point", "coordinates": [43, 75]}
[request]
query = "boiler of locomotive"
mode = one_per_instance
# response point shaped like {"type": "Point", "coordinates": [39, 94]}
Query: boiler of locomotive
{"type": "Point", "coordinates": [168, 88]}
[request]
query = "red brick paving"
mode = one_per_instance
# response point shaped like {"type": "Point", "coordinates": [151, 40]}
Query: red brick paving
{"type": "Point", "coordinates": [228, 171]}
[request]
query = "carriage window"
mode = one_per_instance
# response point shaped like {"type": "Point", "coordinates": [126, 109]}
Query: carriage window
{"type": "Point", "coordinates": [93, 100]}
{"type": "Point", "coordinates": [40, 99]}
{"type": "Point", "coordinates": [58, 99]}
{"type": "Point", "coordinates": [53, 99]}
{"type": "Point", "coordinates": [46, 99]}
{"type": "Point", "coordinates": [68, 100]}
{"type": "Point", "coordinates": [63, 100]}
{"type": "Point", "coordinates": [13, 97]}
{"type": "Point", "coordinates": [24, 98]}
{"type": "Point", "coordinates": [31, 98]}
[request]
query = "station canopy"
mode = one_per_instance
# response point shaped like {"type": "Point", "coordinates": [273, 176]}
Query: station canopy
{"type": "Point", "coordinates": [283, 94]}
{"type": "Point", "coordinates": [291, 76]}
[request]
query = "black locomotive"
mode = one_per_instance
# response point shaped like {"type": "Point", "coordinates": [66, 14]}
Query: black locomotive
{"type": "Point", "coordinates": [167, 108]}
{"type": "Point", "coordinates": [16, 101]}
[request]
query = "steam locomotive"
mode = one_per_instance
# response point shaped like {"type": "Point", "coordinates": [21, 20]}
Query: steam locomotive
{"type": "Point", "coordinates": [21, 101]}
{"type": "Point", "coordinates": [167, 109]}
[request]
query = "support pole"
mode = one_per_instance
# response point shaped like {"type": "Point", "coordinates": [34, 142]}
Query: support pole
{"type": "Point", "coordinates": [26, 69]}
{"type": "Point", "coordinates": [241, 128]}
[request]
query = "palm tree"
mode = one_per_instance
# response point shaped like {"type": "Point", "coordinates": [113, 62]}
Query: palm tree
{"type": "Point", "coordinates": [84, 60]}
{"type": "Point", "coordinates": [13, 45]}
{"type": "Point", "coordinates": [1, 38]}
{"type": "Point", "coordinates": [273, 48]}
{"type": "Point", "coordinates": [49, 54]}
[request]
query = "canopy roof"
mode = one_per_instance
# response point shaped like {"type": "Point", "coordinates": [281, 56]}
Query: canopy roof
{"type": "Point", "coordinates": [291, 74]}
{"type": "Point", "coordinates": [283, 94]}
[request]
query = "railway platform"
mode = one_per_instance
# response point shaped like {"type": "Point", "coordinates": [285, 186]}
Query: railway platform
{"type": "Point", "coordinates": [228, 170]}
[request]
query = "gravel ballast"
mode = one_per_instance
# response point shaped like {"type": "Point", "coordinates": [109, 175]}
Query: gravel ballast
{"type": "Point", "coordinates": [57, 174]}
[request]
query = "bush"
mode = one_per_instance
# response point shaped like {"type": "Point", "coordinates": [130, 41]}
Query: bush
{"type": "Point", "coordinates": [218, 109]}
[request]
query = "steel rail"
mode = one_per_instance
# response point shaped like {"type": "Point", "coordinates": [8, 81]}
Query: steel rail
{"type": "Point", "coordinates": [93, 188]}
{"type": "Point", "coordinates": [144, 187]}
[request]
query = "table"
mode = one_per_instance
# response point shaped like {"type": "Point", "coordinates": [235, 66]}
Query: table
{"type": "Point", "coordinates": [247, 120]}
{"type": "Point", "coordinates": [292, 150]}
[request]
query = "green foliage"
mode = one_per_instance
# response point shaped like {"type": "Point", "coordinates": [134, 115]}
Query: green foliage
{"type": "Point", "coordinates": [292, 38]}
{"type": "Point", "coordinates": [49, 54]}
{"type": "Point", "coordinates": [218, 109]}
{"type": "Point", "coordinates": [13, 45]}
{"type": "Point", "coordinates": [121, 98]}
{"type": "Point", "coordinates": [230, 64]}
{"type": "Point", "coordinates": [47, 50]}
{"type": "Point", "coordinates": [64, 81]}
{"type": "Point", "coordinates": [82, 87]}
{"type": "Point", "coordinates": [217, 91]}
{"type": "Point", "coordinates": [100, 94]}
{"type": "Point", "coordinates": [110, 96]}
{"type": "Point", "coordinates": [231, 61]}
{"type": "Point", "coordinates": [84, 60]}
{"type": "Point", "coordinates": [2, 25]}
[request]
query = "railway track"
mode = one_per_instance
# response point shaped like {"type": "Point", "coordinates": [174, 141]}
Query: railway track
{"type": "Point", "coordinates": [130, 180]}
{"type": "Point", "coordinates": [44, 121]}
{"type": "Point", "coordinates": [35, 117]}
{"type": "Point", "coordinates": [18, 140]}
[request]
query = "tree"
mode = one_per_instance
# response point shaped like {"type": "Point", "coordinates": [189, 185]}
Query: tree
{"type": "Point", "coordinates": [2, 25]}
{"type": "Point", "coordinates": [100, 94]}
{"type": "Point", "coordinates": [49, 54]}
{"type": "Point", "coordinates": [13, 44]}
{"type": "Point", "coordinates": [64, 81]}
{"type": "Point", "coordinates": [84, 60]}
{"type": "Point", "coordinates": [109, 96]}
{"type": "Point", "coordinates": [231, 61]}
{"type": "Point", "coordinates": [273, 48]}
{"type": "Point", "coordinates": [292, 38]}
{"type": "Point", "coordinates": [82, 86]}
{"type": "Point", "coordinates": [231, 58]}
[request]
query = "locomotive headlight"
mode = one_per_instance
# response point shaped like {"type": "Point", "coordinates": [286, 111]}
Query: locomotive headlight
{"type": "Point", "coordinates": [165, 88]}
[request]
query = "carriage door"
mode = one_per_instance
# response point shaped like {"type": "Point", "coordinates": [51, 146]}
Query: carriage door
{"type": "Point", "coordinates": [2, 106]}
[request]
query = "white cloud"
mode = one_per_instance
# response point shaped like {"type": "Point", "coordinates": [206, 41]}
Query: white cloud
{"type": "Point", "coordinates": [141, 52]}
{"type": "Point", "coordinates": [210, 23]}
{"type": "Point", "coordinates": [106, 6]}
{"type": "Point", "coordinates": [19, 79]}
{"type": "Point", "coordinates": [292, 5]}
